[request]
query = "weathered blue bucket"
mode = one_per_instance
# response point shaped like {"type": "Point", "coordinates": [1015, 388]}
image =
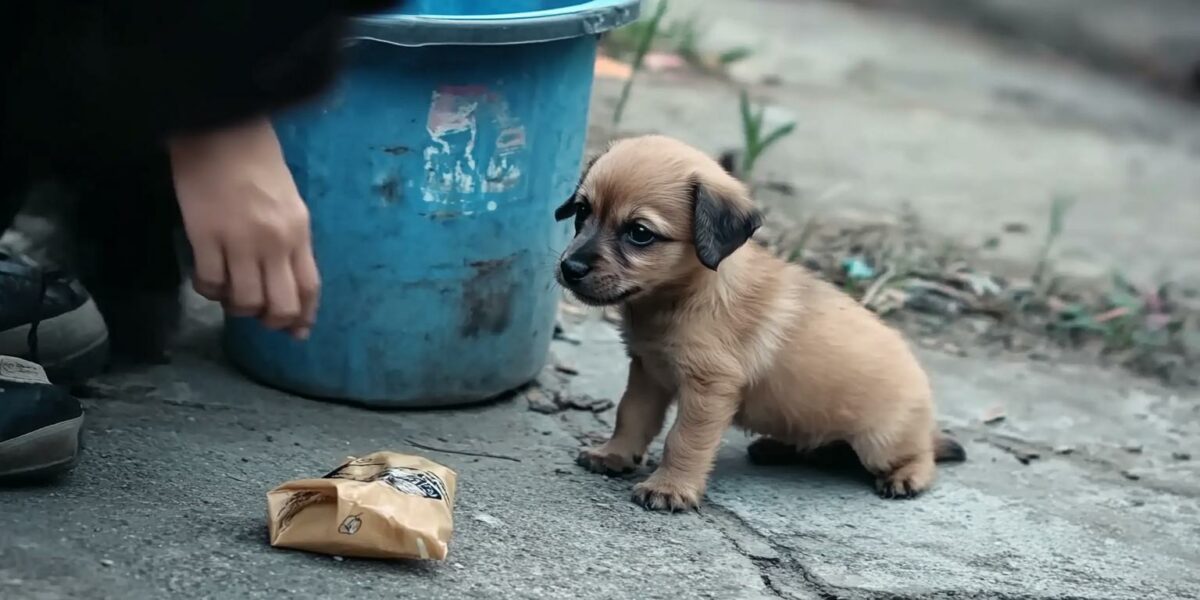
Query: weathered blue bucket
{"type": "Point", "coordinates": [432, 172]}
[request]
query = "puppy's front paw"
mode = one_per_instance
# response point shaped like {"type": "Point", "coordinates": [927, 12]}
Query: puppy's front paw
{"type": "Point", "coordinates": [606, 462]}
{"type": "Point", "coordinates": [664, 493]}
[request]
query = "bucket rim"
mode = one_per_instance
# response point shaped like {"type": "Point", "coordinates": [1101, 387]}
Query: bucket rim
{"type": "Point", "coordinates": [577, 20]}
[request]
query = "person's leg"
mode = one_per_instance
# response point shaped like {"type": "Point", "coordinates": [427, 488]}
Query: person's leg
{"type": "Point", "coordinates": [45, 315]}
{"type": "Point", "coordinates": [126, 225]}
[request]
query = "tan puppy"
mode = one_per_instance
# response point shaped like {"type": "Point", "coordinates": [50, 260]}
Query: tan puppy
{"type": "Point", "coordinates": [732, 334]}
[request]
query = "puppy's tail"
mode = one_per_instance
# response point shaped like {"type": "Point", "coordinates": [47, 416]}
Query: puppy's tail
{"type": "Point", "coordinates": [947, 449]}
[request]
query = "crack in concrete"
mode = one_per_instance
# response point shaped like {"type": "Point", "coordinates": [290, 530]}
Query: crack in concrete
{"type": "Point", "coordinates": [775, 563]}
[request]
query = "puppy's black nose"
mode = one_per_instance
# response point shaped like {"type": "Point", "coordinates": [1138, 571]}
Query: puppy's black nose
{"type": "Point", "coordinates": [574, 270]}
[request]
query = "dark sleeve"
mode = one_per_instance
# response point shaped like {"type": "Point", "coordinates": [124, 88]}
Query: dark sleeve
{"type": "Point", "coordinates": [101, 73]}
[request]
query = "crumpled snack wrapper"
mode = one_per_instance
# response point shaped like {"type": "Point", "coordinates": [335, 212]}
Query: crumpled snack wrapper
{"type": "Point", "coordinates": [384, 505]}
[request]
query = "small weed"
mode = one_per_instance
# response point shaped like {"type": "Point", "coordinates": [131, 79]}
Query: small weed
{"type": "Point", "coordinates": [736, 54]}
{"type": "Point", "coordinates": [647, 34]}
{"type": "Point", "coordinates": [1059, 206]}
{"type": "Point", "coordinates": [755, 143]}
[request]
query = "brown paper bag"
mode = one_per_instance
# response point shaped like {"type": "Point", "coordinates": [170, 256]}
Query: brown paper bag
{"type": "Point", "coordinates": [384, 505]}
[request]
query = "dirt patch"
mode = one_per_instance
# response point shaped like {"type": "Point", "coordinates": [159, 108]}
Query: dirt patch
{"type": "Point", "coordinates": [936, 291]}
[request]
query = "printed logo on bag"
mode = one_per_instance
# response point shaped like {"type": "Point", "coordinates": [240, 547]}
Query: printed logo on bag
{"type": "Point", "coordinates": [405, 480]}
{"type": "Point", "coordinates": [350, 525]}
{"type": "Point", "coordinates": [412, 481]}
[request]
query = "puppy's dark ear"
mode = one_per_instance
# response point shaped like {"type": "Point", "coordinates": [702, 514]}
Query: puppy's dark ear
{"type": "Point", "coordinates": [720, 225]}
{"type": "Point", "coordinates": [567, 210]}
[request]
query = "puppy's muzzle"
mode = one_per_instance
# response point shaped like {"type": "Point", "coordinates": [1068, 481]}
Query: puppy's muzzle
{"type": "Point", "coordinates": [574, 270]}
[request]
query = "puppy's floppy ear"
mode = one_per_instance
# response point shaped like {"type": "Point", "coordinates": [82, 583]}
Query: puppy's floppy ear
{"type": "Point", "coordinates": [721, 223]}
{"type": "Point", "coordinates": [567, 210]}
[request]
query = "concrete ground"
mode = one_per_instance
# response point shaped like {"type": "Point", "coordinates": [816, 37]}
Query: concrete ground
{"type": "Point", "coordinates": [170, 498]}
{"type": "Point", "coordinates": [1088, 488]}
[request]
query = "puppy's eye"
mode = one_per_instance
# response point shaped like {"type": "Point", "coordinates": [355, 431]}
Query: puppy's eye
{"type": "Point", "coordinates": [638, 235]}
{"type": "Point", "coordinates": [582, 212]}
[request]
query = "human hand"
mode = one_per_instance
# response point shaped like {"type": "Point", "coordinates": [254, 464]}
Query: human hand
{"type": "Point", "coordinates": [248, 226]}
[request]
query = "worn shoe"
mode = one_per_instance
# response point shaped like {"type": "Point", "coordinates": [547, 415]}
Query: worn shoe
{"type": "Point", "coordinates": [40, 424]}
{"type": "Point", "coordinates": [48, 318]}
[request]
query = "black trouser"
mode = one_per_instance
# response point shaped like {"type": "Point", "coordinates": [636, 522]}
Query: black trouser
{"type": "Point", "coordinates": [121, 226]}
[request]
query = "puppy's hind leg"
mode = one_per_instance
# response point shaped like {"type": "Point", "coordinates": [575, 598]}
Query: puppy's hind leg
{"type": "Point", "coordinates": [640, 417]}
{"type": "Point", "coordinates": [901, 461]}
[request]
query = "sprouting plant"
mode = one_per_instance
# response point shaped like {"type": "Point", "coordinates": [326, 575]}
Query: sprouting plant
{"type": "Point", "coordinates": [735, 54]}
{"type": "Point", "coordinates": [753, 138]}
{"type": "Point", "coordinates": [1059, 206]}
{"type": "Point", "coordinates": [644, 43]}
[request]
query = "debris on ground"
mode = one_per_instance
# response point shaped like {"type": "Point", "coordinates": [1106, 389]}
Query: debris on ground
{"type": "Point", "coordinates": [994, 415]}
{"type": "Point", "coordinates": [610, 68]}
{"type": "Point", "coordinates": [585, 402]}
{"type": "Point", "coordinates": [1023, 454]}
{"type": "Point", "coordinates": [935, 288]}
{"type": "Point", "coordinates": [487, 519]}
{"type": "Point", "coordinates": [565, 368]}
{"type": "Point", "coordinates": [551, 402]}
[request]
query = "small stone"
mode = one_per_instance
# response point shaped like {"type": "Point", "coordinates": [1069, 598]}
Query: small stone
{"type": "Point", "coordinates": [1181, 456]}
{"type": "Point", "coordinates": [487, 519]}
{"type": "Point", "coordinates": [458, 566]}
{"type": "Point", "coordinates": [1130, 475]}
{"type": "Point", "coordinates": [566, 368]}
{"type": "Point", "coordinates": [270, 438]}
{"type": "Point", "coordinates": [338, 558]}
{"type": "Point", "coordinates": [106, 562]}
{"type": "Point", "coordinates": [994, 415]}
{"type": "Point", "coordinates": [542, 401]}
{"type": "Point", "coordinates": [1132, 448]}
{"type": "Point", "coordinates": [245, 459]}
{"type": "Point", "coordinates": [586, 402]}
{"type": "Point", "coordinates": [1064, 450]}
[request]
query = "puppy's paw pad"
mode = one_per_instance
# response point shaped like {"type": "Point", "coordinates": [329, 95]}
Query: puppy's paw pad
{"type": "Point", "coordinates": [897, 488]}
{"type": "Point", "coordinates": [665, 496]}
{"type": "Point", "coordinates": [600, 460]}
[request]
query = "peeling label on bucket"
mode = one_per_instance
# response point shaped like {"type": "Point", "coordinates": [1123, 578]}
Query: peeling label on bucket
{"type": "Point", "coordinates": [467, 124]}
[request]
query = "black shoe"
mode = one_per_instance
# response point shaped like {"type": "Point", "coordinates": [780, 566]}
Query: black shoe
{"type": "Point", "coordinates": [40, 424]}
{"type": "Point", "coordinates": [49, 319]}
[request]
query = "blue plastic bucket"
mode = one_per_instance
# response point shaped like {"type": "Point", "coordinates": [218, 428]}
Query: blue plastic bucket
{"type": "Point", "coordinates": [431, 172]}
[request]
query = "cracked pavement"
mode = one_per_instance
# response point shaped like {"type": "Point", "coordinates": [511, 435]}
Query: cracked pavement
{"type": "Point", "coordinates": [170, 498]}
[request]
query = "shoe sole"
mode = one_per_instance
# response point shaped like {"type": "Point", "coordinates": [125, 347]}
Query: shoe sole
{"type": "Point", "coordinates": [71, 347]}
{"type": "Point", "coordinates": [48, 451]}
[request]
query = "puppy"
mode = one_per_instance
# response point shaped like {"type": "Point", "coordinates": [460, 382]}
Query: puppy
{"type": "Point", "coordinates": [732, 334]}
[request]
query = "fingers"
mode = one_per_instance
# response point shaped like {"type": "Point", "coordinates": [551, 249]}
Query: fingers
{"type": "Point", "coordinates": [246, 297]}
{"type": "Point", "coordinates": [209, 278]}
{"type": "Point", "coordinates": [283, 303]}
{"type": "Point", "coordinates": [308, 287]}
{"type": "Point", "coordinates": [281, 290]}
